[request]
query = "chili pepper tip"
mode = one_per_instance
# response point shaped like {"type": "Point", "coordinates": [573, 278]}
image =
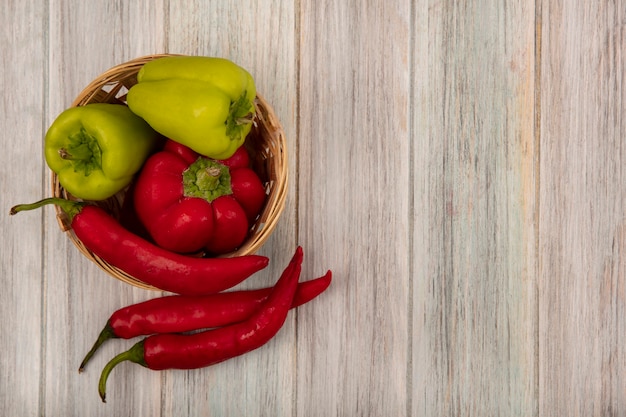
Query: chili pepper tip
{"type": "Point", "coordinates": [71, 208]}
{"type": "Point", "coordinates": [106, 334]}
{"type": "Point", "coordinates": [134, 354]}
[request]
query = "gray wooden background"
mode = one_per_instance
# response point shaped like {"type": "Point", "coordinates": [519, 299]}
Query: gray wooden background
{"type": "Point", "coordinates": [459, 165]}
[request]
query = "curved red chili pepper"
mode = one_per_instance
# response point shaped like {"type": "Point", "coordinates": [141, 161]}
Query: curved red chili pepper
{"type": "Point", "coordinates": [179, 313]}
{"type": "Point", "coordinates": [155, 266]}
{"type": "Point", "coordinates": [198, 350]}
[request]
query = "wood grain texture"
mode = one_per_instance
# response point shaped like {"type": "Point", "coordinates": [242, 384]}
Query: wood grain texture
{"type": "Point", "coordinates": [22, 79]}
{"type": "Point", "coordinates": [583, 211]}
{"type": "Point", "coordinates": [474, 206]}
{"type": "Point", "coordinates": [353, 206]}
{"type": "Point", "coordinates": [458, 165]}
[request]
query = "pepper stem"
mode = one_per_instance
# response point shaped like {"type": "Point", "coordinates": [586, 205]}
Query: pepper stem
{"type": "Point", "coordinates": [83, 150]}
{"type": "Point", "coordinates": [71, 208]}
{"type": "Point", "coordinates": [207, 179]}
{"type": "Point", "coordinates": [106, 334]}
{"type": "Point", "coordinates": [134, 354]}
{"type": "Point", "coordinates": [245, 120]}
{"type": "Point", "coordinates": [241, 113]}
{"type": "Point", "coordinates": [80, 152]}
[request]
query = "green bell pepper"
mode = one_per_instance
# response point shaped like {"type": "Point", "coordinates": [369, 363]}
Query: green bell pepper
{"type": "Point", "coordinates": [204, 103]}
{"type": "Point", "coordinates": [96, 149]}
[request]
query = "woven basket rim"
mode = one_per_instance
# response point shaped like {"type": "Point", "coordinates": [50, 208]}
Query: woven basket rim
{"type": "Point", "coordinates": [267, 126]}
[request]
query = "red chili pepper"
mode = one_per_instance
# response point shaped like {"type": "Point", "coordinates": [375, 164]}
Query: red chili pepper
{"type": "Point", "coordinates": [189, 202]}
{"type": "Point", "coordinates": [179, 313]}
{"type": "Point", "coordinates": [198, 350]}
{"type": "Point", "coordinates": [155, 266]}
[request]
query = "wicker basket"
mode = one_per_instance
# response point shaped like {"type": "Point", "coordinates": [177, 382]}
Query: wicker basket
{"type": "Point", "coordinates": [265, 143]}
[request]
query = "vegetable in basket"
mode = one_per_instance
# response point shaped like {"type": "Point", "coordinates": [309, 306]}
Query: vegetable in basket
{"type": "Point", "coordinates": [205, 103]}
{"type": "Point", "coordinates": [96, 149]}
{"type": "Point", "coordinates": [188, 202]}
{"type": "Point", "coordinates": [168, 271]}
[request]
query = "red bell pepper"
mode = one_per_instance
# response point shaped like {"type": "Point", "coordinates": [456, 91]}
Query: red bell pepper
{"type": "Point", "coordinates": [188, 202]}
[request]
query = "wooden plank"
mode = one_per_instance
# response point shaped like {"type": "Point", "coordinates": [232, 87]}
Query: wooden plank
{"type": "Point", "coordinates": [583, 212]}
{"type": "Point", "coordinates": [22, 105]}
{"type": "Point", "coordinates": [474, 206]}
{"type": "Point", "coordinates": [86, 39]}
{"type": "Point", "coordinates": [259, 36]}
{"type": "Point", "coordinates": [354, 206]}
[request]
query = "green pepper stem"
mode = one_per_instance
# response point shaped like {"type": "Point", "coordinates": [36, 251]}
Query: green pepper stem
{"type": "Point", "coordinates": [106, 334]}
{"type": "Point", "coordinates": [81, 152]}
{"type": "Point", "coordinates": [71, 208]}
{"type": "Point", "coordinates": [134, 354]}
{"type": "Point", "coordinates": [207, 179]}
{"type": "Point", "coordinates": [241, 113]}
{"type": "Point", "coordinates": [245, 120]}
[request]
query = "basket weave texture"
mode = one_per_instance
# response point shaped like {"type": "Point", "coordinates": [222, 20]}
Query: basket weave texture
{"type": "Point", "coordinates": [266, 145]}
